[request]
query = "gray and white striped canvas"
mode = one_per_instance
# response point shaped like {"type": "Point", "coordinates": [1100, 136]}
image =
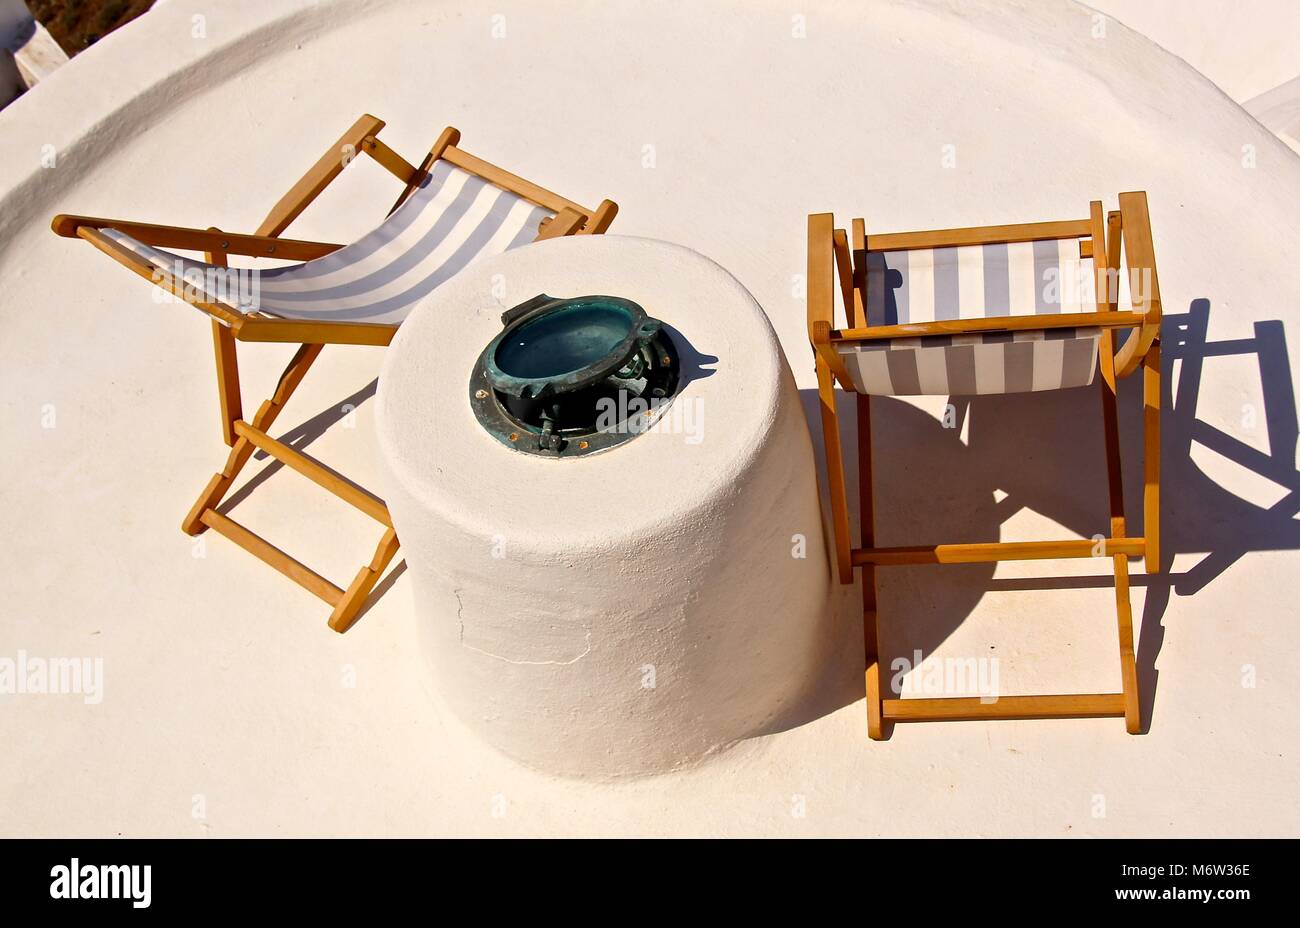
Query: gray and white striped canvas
{"type": "Point", "coordinates": [453, 219]}
{"type": "Point", "coordinates": [987, 362]}
{"type": "Point", "coordinates": [976, 282]}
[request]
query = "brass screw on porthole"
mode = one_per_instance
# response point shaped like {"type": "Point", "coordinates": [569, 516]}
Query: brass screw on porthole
{"type": "Point", "coordinates": [480, 394]}
{"type": "Point", "coordinates": [514, 436]}
{"type": "Point", "coordinates": [584, 445]}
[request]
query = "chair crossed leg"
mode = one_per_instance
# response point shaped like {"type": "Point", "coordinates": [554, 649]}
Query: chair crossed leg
{"type": "Point", "coordinates": [245, 438]}
{"type": "Point", "coordinates": [1119, 547]}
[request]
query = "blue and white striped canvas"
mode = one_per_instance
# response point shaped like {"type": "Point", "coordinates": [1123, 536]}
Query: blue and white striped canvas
{"type": "Point", "coordinates": [453, 219]}
{"type": "Point", "coordinates": [976, 282]}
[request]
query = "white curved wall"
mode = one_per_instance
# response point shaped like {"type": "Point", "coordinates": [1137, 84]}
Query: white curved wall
{"type": "Point", "coordinates": [1246, 48]}
{"type": "Point", "coordinates": [1251, 50]}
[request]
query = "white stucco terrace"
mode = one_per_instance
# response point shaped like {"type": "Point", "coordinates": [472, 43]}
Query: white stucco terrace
{"type": "Point", "coordinates": [229, 709]}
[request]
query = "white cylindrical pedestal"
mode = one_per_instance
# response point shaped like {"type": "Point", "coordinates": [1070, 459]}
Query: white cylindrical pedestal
{"type": "Point", "coordinates": [630, 611]}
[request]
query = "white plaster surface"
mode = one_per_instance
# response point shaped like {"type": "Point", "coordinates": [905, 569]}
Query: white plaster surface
{"type": "Point", "coordinates": [631, 611]}
{"type": "Point", "coordinates": [1250, 49]}
{"type": "Point", "coordinates": [222, 683]}
{"type": "Point", "coordinates": [1245, 46]}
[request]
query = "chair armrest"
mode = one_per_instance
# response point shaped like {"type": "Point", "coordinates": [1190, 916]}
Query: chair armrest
{"type": "Point", "coordinates": [186, 239]}
{"type": "Point", "coordinates": [565, 222]}
{"type": "Point", "coordinates": [600, 219]}
{"type": "Point", "coordinates": [319, 176]}
{"type": "Point", "coordinates": [821, 273]}
{"type": "Point", "coordinates": [450, 136]}
{"type": "Point", "coordinates": [821, 294]}
{"type": "Point", "coordinates": [1144, 287]}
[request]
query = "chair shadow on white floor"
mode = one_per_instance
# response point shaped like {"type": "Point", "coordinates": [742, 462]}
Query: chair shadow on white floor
{"type": "Point", "coordinates": [1045, 452]}
{"type": "Point", "coordinates": [299, 437]}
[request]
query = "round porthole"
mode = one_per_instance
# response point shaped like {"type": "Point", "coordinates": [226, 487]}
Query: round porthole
{"type": "Point", "coordinates": [571, 377]}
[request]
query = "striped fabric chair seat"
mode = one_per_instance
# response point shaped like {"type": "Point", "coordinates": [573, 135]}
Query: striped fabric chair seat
{"type": "Point", "coordinates": [975, 282]}
{"type": "Point", "coordinates": [451, 220]}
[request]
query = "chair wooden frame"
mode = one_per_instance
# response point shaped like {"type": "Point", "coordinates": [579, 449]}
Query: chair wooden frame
{"type": "Point", "coordinates": [230, 326]}
{"type": "Point", "coordinates": [833, 260]}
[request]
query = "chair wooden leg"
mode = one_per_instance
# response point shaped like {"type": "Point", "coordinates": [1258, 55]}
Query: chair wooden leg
{"type": "Point", "coordinates": [883, 712]}
{"type": "Point", "coordinates": [835, 471]}
{"type": "Point", "coordinates": [1151, 456]}
{"type": "Point", "coordinates": [1123, 604]}
{"type": "Point", "coordinates": [345, 613]}
{"type": "Point", "coordinates": [243, 449]}
{"type": "Point", "coordinates": [1127, 654]}
{"type": "Point", "coordinates": [249, 438]}
{"type": "Point", "coordinates": [223, 344]}
{"type": "Point", "coordinates": [870, 626]}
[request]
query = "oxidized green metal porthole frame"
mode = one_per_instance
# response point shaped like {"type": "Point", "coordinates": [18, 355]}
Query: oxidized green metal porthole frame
{"type": "Point", "coordinates": [572, 377]}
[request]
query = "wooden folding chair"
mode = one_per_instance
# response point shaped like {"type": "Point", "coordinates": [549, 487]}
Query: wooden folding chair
{"type": "Point", "coordinates": [993, 309]}
{"type": "Point", "coordinates": [454, 208]}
